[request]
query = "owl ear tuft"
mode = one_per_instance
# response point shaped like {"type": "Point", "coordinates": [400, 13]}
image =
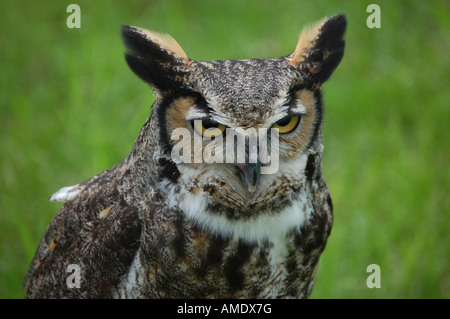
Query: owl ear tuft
{"type": "Point", "coordinates": [320, 48]}
{"type": "Point", "coordinates": [156, 58]}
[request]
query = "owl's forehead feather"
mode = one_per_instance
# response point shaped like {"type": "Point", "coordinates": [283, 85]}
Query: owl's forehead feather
{"type": "Point", "coordinates": [244, 87]}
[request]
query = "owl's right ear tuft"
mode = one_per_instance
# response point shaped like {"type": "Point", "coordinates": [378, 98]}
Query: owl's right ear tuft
{"type": "Point", "coordinates": [156, 58]}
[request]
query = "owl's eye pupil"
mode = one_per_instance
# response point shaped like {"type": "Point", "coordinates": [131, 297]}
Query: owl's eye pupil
{"type": "Point", "coordinates": [208, 127]}
{"type": "Point", "coordinates": [284, 121]}
{"type": "Point", "coordinates": [207, 123]}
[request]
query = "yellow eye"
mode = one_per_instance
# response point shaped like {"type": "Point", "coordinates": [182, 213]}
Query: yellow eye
{"type": "Point", "coordinates": [287, 124]}
{"type": "Point", "coordinates": [208, 128]}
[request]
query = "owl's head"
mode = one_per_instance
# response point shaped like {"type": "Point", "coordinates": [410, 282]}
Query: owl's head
{"type": "Point", "coordinates": [220, 118]}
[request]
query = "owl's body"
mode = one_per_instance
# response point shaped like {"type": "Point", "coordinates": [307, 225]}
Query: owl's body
{"type": "Point", "coordinates": [159, 228]}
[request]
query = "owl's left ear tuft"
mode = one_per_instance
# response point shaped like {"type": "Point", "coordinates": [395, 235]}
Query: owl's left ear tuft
{"type": "Point", "coordinates": [320, 48]}
{"type": "Point", "coordinates": [155, 57]}
{"type": "Point", "coordinates": [152, 45]}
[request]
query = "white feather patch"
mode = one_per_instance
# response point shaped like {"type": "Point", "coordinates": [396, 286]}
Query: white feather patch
{"type": "Point", "coordinates": [66, 194]}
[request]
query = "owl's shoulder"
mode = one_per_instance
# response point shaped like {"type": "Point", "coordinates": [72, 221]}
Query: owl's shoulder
{"type": "Point", "coordinates": [96, 231]}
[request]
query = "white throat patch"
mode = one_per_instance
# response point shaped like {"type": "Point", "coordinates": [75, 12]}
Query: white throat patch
{"type": "Point", "coordinates": [266, 226]}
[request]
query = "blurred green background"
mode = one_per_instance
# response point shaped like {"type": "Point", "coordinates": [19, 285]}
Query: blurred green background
{"type": "Point", "coordinates": [70, 108]}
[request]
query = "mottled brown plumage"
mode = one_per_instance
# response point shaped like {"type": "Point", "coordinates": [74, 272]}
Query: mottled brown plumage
{"type": "Point", "coordinates": [154, 227]}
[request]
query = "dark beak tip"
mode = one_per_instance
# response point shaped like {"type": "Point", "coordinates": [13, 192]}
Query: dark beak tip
{"type": "Point", "coordinates": [251, 189]}
{"type": "Point", "coordinates": [249, 173]}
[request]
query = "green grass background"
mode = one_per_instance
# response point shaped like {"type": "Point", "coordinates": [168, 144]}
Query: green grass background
{"type": "Point", "coordinates": [70, 108]}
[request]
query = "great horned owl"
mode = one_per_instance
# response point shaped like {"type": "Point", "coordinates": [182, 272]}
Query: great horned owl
{"type": "Point", "coordinates": [155, 227]}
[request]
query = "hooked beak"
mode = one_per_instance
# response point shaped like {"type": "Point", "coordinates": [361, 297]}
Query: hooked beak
{"type": "Point", "coordinates": [250, 173]}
